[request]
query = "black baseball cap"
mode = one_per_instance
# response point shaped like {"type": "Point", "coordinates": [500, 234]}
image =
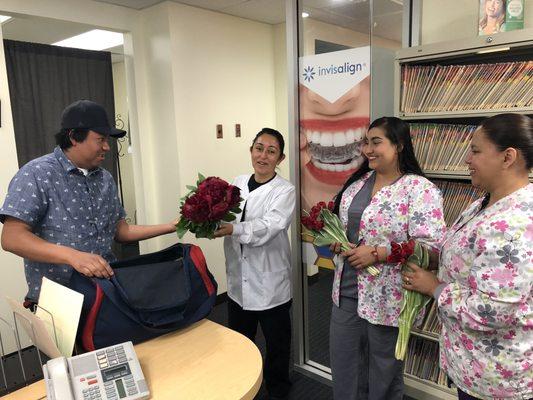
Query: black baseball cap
{"type": "Point", "coordinates": [86, 114]}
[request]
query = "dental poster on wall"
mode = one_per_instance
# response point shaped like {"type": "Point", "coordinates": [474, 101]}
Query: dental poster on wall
{"type": "Point", "coordinates": [500, 16]}
{"type": "Point", "coordinates": [334, 116]}
{"type": "Point", "coordinates": [333, 74]}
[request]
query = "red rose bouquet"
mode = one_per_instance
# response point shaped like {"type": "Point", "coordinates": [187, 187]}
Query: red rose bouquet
{"type": "Point", "coordinates": [326, 228]}
{"type": "Point", "coordinates": [400, 252]}
{"type": "Point", "coordinates": [412, 302]}
{"type": "Point", "coordinates": [210, 202]}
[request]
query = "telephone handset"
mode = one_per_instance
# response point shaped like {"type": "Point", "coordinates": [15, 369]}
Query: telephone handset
{"type": "Point", "coordinates": [110, 373]}
{"type": "Point", "coordinates": [57, 380]}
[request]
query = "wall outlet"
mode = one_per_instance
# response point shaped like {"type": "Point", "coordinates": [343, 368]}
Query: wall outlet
{"type": "Point", "coordinates": [219, 131]}
{"type": "Point", "coordinates": [237, 130]}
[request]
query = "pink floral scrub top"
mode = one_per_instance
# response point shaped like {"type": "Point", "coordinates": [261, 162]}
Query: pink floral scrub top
{"type": "Point", "coordinates": [486, 306]}
{"type": "Point", "coordinates": [410, 208]}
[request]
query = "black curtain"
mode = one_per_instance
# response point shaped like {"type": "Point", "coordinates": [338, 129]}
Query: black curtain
{"type": "Point", "coordinates": [43, 80]}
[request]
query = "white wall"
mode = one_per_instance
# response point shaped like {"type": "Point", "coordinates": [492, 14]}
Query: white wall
{"type": "Point", "coordinates": [156, 142]}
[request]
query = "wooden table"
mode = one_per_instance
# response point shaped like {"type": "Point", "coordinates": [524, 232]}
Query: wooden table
{"type": "Point", "coordinates": [205, 361]}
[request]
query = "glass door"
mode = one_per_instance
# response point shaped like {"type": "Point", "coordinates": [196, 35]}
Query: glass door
{"type": "Point", "coordinates": [345, 78]}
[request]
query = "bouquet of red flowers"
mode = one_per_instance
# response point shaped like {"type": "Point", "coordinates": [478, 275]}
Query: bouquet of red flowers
{"type": "Point", "coordinates": [400, 252]}
{"type": "Point", "coordinates": [326, 228]}
{"type": "Point", "coordinates": [210, 202]}
{"type": "Point", "coordinates": [412, 302]}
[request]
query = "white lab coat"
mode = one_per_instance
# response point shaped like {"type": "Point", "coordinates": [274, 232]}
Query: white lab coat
{"type": "Point", "coordinates": [258, 253]}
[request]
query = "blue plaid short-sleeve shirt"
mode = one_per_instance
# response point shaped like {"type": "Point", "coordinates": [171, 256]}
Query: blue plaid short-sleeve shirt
{"type": "Point", "coordinates": [65, 207]}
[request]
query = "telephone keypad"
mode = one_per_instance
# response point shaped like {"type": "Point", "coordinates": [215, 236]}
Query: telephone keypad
{"type": "Point", "coordinates": [110, 390]}
{"type": "Point", "coordinates": [130, 385]}
{"type": "Point", "coordinates": [92, 393]}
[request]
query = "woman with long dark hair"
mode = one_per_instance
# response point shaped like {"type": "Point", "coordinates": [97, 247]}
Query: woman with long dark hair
{"type": "Point", "coordinates": [387, 200]}
{"type": "Point", "coordinates": [483, 290]}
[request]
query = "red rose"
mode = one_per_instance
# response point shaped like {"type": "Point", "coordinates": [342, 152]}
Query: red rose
{"type": "Point", "coordinates": [233, 196]}
{"type": "Point", "coordinates": [315, 212]}
{"type": "Point", "coordinates": [318, 225]}
{"type": "Point", "coordinates": [400, 252]}
{"type": "Point", "coordinates": [214, 187]}
{"type": "Point", "coordinates": [218, 211]}
{"type": "Point", "coordinates": [195, 209]}
{"type": "Point", "coordinates": [212, 183]}
{"type": "Point", "coordinates": [408, 248]}
{"type": "Point", "coordinates": [313, 221]}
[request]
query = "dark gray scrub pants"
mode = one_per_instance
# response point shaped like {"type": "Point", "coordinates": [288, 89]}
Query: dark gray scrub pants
{"type": "Point", "coordinates": [362, 357]}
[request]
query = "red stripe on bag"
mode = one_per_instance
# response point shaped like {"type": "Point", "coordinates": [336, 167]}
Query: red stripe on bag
{"type": "Point", "coordinates": [199, 262]}
{"type": "Point", "coordinates": [88, 329]}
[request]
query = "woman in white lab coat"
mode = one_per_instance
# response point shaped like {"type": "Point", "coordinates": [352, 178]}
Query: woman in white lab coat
{"type": "Point", "coordinates": [258, 259]}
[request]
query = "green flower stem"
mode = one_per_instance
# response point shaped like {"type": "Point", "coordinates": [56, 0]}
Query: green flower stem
{"type": "Point", "coordinates": [326, 240]}
{"type": "Point", "coordinates": [412, 303]}
{"type": "Point", "coordinates": [333, 232]}
{"type": "Point", "coordinates": [345, 246]}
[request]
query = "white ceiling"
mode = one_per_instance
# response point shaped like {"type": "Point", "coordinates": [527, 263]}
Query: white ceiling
{"type": "Point", "coordinates": [351, 14]}
{"type": "Point", "coordinates": [268, 11]}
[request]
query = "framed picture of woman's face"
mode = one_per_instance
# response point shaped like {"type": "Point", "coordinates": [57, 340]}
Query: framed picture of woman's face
{"type": "Point", "coordinates": [497, 16]}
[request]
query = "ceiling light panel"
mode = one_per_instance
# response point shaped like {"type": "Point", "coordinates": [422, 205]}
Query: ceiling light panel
{"type": "Point", "coordinates": [96, 39]}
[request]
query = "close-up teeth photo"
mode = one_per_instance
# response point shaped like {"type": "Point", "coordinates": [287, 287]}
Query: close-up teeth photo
{"type": "Point", "coordinates": [335, 151]}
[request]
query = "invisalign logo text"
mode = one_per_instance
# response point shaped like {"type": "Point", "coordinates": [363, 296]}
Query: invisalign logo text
{"type": "Point", "coordinates": [340, 69]}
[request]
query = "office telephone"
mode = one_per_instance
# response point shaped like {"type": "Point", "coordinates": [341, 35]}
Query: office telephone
{"type": "Point", "coordinates": [111, 373]}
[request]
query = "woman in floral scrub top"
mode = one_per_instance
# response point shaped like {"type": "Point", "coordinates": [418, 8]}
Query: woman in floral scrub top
{"type": "Point", "coordinates": [486, 270]}
{"type": "Point", "coordinates": [387, 200]}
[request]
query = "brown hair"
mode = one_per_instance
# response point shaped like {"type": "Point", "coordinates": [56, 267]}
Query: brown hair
{"type": "Point", "coordinates": [501, 18]}
{"type": "Point", "coordinates": [511, 130]}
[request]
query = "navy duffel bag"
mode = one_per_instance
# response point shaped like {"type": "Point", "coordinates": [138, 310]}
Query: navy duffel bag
{"type": "Point", "coordinates": [148, 296]}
